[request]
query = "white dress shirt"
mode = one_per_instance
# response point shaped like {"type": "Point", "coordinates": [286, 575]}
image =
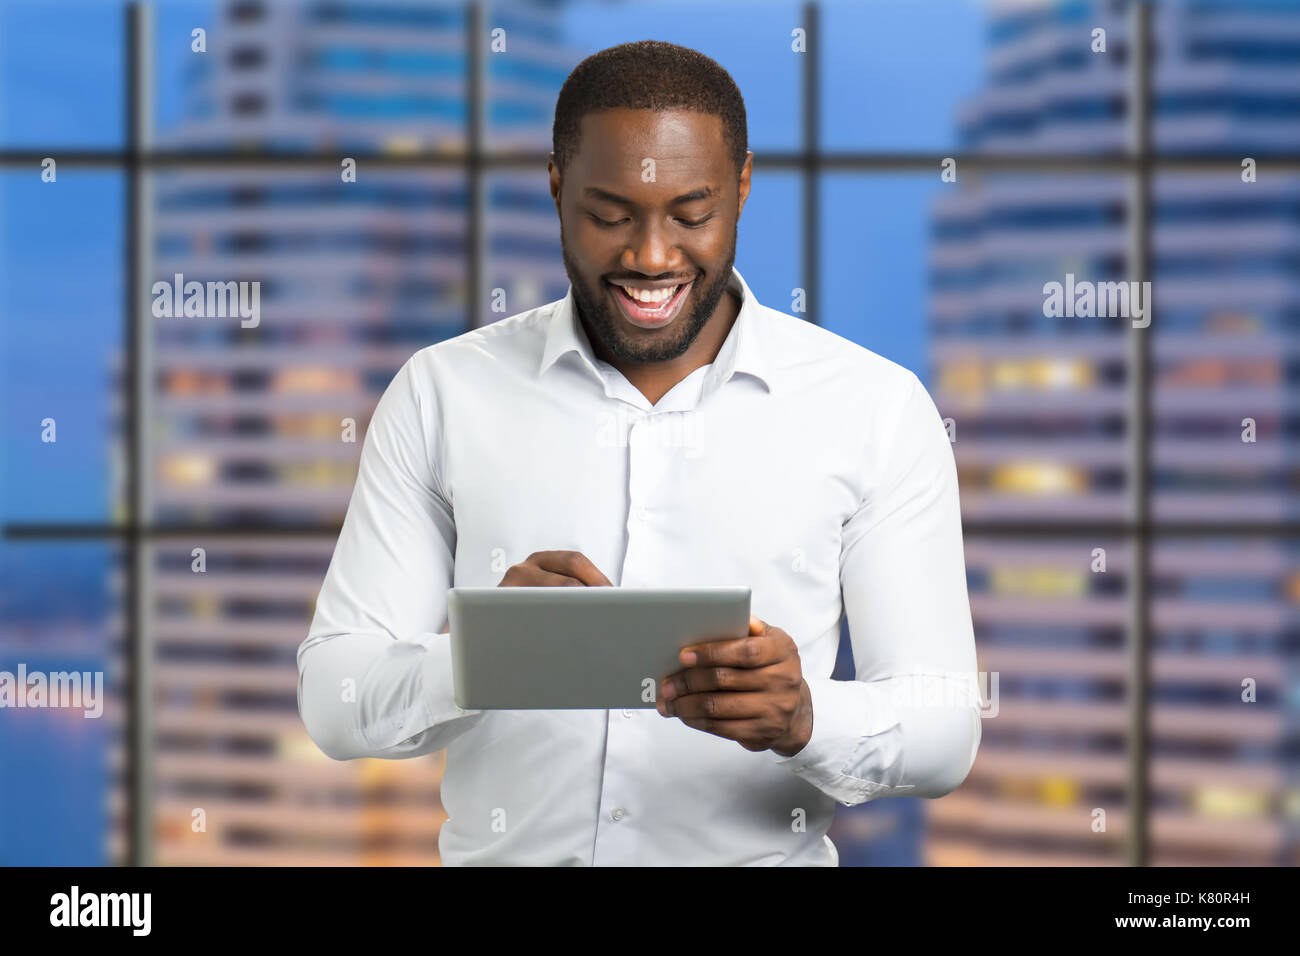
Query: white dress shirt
{"type": "Point", "coordinates": [798, 464]}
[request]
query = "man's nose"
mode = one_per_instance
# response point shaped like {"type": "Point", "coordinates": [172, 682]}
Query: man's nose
{"type": "Point", "coordinates": [650, 250]}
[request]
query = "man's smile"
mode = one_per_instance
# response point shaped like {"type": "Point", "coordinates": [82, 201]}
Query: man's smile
{"type": "Point", "coordinates": [649, 305]}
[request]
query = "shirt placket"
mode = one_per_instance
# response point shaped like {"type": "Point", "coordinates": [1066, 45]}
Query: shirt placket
{"type": "Point", "coordinates": [622, 796]}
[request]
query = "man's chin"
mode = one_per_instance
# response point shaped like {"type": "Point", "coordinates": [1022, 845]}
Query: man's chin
{"type": "Point", "coordinates": [631, 343]}
{"type": "Point", "coordinates": [635, 335]}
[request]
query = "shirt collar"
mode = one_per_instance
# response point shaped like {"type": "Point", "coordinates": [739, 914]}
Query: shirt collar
{"type": "Point", "coordinates": [741, 352]}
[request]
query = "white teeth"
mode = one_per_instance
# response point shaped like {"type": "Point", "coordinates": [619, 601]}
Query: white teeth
{"type": "Point", "coordinates": [651, 295]}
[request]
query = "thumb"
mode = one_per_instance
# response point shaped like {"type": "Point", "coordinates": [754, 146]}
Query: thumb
{"type": "Point", "coordinates": [756, 626]}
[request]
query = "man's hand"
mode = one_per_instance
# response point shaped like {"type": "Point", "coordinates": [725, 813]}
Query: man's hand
{"type": "Point", "coordinates": [554, 569]}
{"type": "Point", "coordinates": [749, 689]}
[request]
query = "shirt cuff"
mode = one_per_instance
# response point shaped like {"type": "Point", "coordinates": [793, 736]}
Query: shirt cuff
{"type": "Point", "coordinates": [439, 689]}
{"type": "Point", "coordinates": [430, 697]}
{"type": "Point", "coordinates": [855, 751]}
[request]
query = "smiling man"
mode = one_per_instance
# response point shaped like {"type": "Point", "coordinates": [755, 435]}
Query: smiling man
{"type": "Point", "coordinates": [657, 427]}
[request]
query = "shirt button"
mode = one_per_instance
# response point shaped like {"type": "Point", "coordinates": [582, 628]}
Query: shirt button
{"type": "Point", "coordinates": [627, 713]}
{"type": "Point", "coordinates": [643, 514]}
{"type": "Point", "coordinates": [618, 813]}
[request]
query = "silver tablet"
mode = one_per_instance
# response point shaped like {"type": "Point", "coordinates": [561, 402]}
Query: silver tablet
{"type": "Point", "coordinates": [570, 648]}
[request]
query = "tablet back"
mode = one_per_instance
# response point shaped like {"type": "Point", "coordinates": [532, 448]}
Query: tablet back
{"type": "Point", "coordinates": [580, 647]}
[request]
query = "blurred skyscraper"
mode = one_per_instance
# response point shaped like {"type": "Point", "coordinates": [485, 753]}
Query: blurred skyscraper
{"type": "Point", "coordinates": [262, 426]}
{"type": "Point", "coordinates": [1040, 406]}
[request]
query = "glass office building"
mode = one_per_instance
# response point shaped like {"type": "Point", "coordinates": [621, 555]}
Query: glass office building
{"type": "Point", "coordinates": [1040, 403]}
{"type": "Point", "coordinates": [256, 427]}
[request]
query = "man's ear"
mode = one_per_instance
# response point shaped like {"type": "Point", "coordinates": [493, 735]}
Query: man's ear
{"type": "Point", "coordinates": [556, 180]}
{"type": "Point", "coordinates": [745, 172]}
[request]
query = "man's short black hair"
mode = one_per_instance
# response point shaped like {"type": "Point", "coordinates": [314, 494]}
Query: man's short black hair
{"type": "Point", "coordinates": [648, 75]}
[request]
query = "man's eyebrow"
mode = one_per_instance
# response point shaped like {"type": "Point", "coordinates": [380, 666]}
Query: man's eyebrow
{"type": "Point", "coordinates": [704, 192]}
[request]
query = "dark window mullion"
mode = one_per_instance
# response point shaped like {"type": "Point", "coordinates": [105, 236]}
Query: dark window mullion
{"type": "Point", "coordinates": [810, 160]}
{"type": "Point", "coordinates": [475, 20]}
{"type": "Point", "coordinates": [137, 779]}
{"type": "Point", "coordinates": [1139, 446]}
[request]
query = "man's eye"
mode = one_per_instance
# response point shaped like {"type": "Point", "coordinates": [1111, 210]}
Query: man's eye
{"type": "Point", "coordinates": [601, 222]}
{"type": "Point", "coordinates": [695, 224]}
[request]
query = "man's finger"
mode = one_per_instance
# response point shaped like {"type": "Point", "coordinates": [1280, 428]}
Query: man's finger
{"type": "Point", "coordinates": [719, 706]}
{"type": "Point", "coordinates": [749, 652]}
{"type": "Point", "coordinates": [696, 680]}
{"type": "Point", "coordinates": [574, 564]}
{"type": "Point", "coordinates": [757, 628]}
{"type": "Point", "coordinates": [531, 576]}
{"type": "Point", "coordinates": [548, 579]}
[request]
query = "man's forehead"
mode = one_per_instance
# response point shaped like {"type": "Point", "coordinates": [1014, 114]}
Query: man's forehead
{"type": "Point", "coordinates": [616, 135]}
{"type": "Point", "coordinates": [649, 157]}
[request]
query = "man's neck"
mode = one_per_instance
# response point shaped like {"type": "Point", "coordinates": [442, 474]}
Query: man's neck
{"type": "Point", "coordinates": [655, 379]}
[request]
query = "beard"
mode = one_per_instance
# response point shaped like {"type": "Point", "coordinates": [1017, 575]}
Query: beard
{"type": "Point", "coordinates": [602, 319]}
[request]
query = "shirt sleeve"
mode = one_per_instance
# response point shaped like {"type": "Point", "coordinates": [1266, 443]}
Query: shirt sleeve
{"type": "Point", "coordinates": [374, 673]}
{"type": "Point", "coordinates": [909, 724]}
